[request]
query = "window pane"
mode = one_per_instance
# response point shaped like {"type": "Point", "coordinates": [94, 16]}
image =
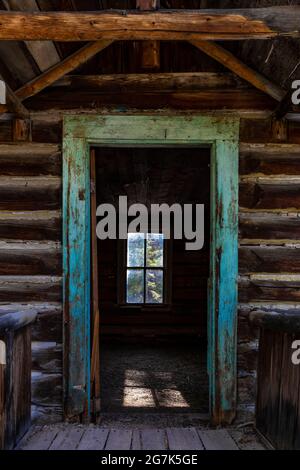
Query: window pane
{"type": "Point", "coordinates": [154, 286]}
{"type": "Point", "coordinates": [135, 250]}
{"type": "Point", "coordinates": [135, 286]}
{"type": "Point", "coordinates": [155, 250]}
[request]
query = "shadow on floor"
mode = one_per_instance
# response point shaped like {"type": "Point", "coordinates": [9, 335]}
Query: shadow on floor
{"type": "Point", "coordinates": [159, 377]}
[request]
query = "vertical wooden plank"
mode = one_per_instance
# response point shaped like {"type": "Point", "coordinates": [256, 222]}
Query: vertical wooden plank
{"type": "Point", "coordinates": [95, 361]}
{"type": "Point", "coordinates": [76, 266]}
{"type": "Point", "coordinates": [223, 281]}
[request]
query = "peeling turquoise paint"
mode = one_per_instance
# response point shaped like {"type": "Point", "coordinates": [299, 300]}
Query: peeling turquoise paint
{"type": "Point", "coordinates": [222, 135]}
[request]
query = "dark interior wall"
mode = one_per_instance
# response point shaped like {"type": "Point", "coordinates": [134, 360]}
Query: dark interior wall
{"type": "Point", "coordinates": [156, 176]}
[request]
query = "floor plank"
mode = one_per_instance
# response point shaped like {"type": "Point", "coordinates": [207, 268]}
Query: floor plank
{"type": "Point", "coordinates": [119, 439]}
{"type": "Point", "coordinates": [153, 439]}
{"type": "Point", "coordinates": [41, 440]}
{"type": "Point", "coordinates": [218, 439]}
{"type": "Point", "coordinates": [136, 440]}
{"type": "Point", "coordinates": [67, 439]}
{"type": "Point", "coordinates": [94, 439]}
{"type": "Point", "coordinates": [184, 439]}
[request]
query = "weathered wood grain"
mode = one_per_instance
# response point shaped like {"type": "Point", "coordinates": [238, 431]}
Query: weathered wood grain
{"type": "Point", "coordinates": [30, 288]}
{"type": "Point", "coordinates": [269, 227]}
{"type": "Point", "coordinates": [30, 258]}
{"type": "Point", "coordinates": [93, 439]}
{"type": "Point", "coordinates": [153, 439]}
{"type": "Point", "coordinates": [231, 62]}
{"type": "Point", "coordinates": [269, 159]}
{"type": "Point", "coordinates": [41, 439]}
{"type": "Point", "coordinates": [184, 439]}
{"type": "Point", "coordinates": [261, 23]}
{"type": "Point", "coordinates": [32, 225]}
{"type": "Point", "coordinates": [217, 440]}
{"type": "Point", "coordinates": [201, 100]}
{"type": "Point", "coordinates": [119, 439]}
{"type": "Point", "coordinates": [47, 357]}
{"type": "Point", "coordinates": [29, 193]}
{"type": "Point", "coordinates": [30, 159]}
{"type": "Point", "coordinates": [270, 258]}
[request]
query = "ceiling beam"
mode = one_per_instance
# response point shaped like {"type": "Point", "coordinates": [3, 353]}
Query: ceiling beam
{"type": "Point", "coordinates": [227, 59]}
{"type": "Point", "coordinates": [221, 24]}
{"type": "Point", "coordinates": [55, 73]}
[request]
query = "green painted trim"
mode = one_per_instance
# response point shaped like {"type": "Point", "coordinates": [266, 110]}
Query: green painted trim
{"type": "Point", "coordinates": [222, 135]}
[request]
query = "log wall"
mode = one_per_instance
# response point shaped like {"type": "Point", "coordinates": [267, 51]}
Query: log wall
{"type": "Point", "coordinates": [30, 241]}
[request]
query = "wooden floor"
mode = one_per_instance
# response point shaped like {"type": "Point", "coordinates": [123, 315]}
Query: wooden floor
{"type": "Point", "coordinates": [72, 437]}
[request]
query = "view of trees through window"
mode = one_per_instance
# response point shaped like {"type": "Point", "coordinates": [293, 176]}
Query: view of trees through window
{"type": "Point", "coordinates": [145, 268]}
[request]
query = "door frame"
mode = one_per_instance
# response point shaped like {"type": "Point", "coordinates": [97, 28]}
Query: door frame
{"type": "Point", "coordinates": [221, 134]}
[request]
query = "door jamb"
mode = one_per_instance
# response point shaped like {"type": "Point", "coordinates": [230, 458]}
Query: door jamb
{"type": "Point", "coordinates": [222, 136]}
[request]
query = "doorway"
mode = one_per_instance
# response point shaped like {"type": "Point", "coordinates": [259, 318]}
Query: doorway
{"type": "Point", "coordinates": [152, 290]}
{"type": "Point", "coordinates": [221, 135]}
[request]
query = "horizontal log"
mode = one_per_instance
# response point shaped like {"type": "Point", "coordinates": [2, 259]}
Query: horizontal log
{"type": "Point", "coordinates": [270, 159]}
{"type": "Point", "coordinates": [288, 322]}
{"type": "Point", "coordinates": [30, 288]}
{"type": "Point", "coordinates": [147, 82]}
{"type": "Point", "coordinates": [30, 159]}
{"type": "Point", "coordinates": [257, 23]}
{"type": "Point", "coordinates": [49, 414]}
{"type": "Point", "coordinates": [48, 324]}
{"type": "Point", "coordinates": [269, 226]}
{"type": "Point", "coordinates": [253, 130]}
{"type": "Point", "coordinates": [208, 99]}
{"type": "Point", "coordinates": [30, 258]}
{"type": "Point", "coordinates": [47, 357]}
{"type": "Point", "coordinates": [47, 127]}
{"type": "Point", "coordinates": [247, 357]}
{"type": "Point", "coordinates": [261, 192]}
{"type": "Point", "coordinates": [14, 319]}
{"type": "Point", "coordinates": [46, 389]}
{"type": "Point", "coordinates": [269, 259]}
{"type": "Point", "coordinates": [269, 287]}
{"type": "Point", "coordinates": [30, 225]}
{"type": "Point", "coordinates": [30, 193]}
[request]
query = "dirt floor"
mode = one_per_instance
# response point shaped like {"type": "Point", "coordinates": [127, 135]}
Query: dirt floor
{"type": "Point", "coordinates": [161, 377]}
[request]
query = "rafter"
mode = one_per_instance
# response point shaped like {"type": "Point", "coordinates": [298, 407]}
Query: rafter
{"type": "Point", "coordinates": [43, 52]}
{"type": "Point", "coordinates": [256, 23]}
{"type": "Point", "coordinates": [14, 104]}
{"type": "Point", "coordinates": [55, 73]}
{"type": "Point", "coordinates": [227, 59]}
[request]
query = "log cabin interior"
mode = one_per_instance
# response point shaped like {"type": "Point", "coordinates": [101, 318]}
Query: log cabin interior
{"type": "Point", "coordinates": [165, 102]}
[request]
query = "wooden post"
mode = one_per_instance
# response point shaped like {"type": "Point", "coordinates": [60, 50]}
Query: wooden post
{"type": "Point", "coordinates": [21, 130]}
{"type": "Point", "coordinates": [150, 49]}
{"type": "Point", "coordinates": [95, 362]}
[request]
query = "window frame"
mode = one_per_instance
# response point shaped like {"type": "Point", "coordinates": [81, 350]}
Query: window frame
{"type": "Point", "coordinates": [122, 278]}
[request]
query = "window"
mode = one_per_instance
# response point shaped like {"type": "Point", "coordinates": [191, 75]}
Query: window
{"type": "Point", "coordinates": [145, 269]}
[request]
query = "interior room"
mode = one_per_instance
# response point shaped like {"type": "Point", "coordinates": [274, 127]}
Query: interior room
{"type": "Point", "coordinates": [153, 322]}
